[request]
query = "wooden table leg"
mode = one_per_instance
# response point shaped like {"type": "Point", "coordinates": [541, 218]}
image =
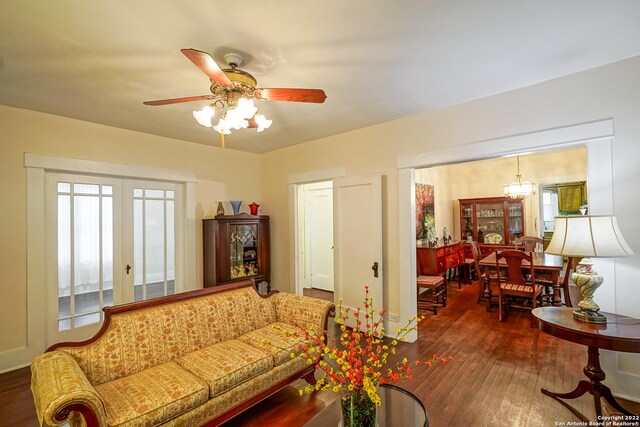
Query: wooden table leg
{"type": "Point", "coordinates": [485, 288]}
{"type": "Point", "coordinates": [594, 386]}
{"type": "Point", "coordinates": [557, 298]}
{"type": "Point", "coordinates": [582, 388]}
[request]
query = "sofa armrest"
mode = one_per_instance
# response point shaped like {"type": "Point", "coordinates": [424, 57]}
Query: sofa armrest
{"type": "Point", "coordinates": [303, 311]}
{"type": "Point", "coordinates": [60, 387]}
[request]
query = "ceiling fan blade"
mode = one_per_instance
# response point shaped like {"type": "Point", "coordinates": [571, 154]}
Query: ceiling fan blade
{"type": "Point", "coordinates": [179, 100]}
{"type": "Point", "coordinates": [208, 66]}
{"type": "Point", "coordinates": [293, 95]}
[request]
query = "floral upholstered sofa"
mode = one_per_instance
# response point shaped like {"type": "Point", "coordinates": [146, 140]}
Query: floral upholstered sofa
{"type": "Point", "coordinates": [191, 359]}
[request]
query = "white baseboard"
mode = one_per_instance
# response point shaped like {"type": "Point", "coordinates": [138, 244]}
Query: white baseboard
{"type": "Point", "coordinates": [17, 358]}
{"type": "Point", "coordinates": [392, 324]}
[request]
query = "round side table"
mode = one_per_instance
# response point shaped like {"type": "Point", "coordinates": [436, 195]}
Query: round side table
{"type": "Point", "coordinates": [620, 333]}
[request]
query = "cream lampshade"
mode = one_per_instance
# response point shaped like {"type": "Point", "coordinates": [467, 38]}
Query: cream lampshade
{"type": "Point", "coordinates": [588, 236]}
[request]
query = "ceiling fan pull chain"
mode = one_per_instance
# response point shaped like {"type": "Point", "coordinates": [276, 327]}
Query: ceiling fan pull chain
{"type": "Point", "coordinates": [222, 139]}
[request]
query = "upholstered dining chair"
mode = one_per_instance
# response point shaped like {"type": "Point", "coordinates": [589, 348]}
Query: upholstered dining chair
{"type": "Point", "coordinates": [529, 243]}
{"type": "Point", "coordinates": [569, 292]}
{"type": "Point", "coordinates": [533, 244]}
{"type": "Point", "coordinates": [514, 284]}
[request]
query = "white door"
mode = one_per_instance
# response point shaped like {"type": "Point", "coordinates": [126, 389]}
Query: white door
{"type": "Point", "coordinates": [108, 241]}
{"type": "Point", "coordinates": [153, 241]}
{"type": "Point", "coordinates": [319, 232]}
{"type": "Point", "coordinates": [84, 253]}
{"type": "Point", "coordinates": [357, 204]}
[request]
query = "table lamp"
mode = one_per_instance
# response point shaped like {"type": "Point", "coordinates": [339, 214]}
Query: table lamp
{"type": "Point", "coordinates": [587, 236]}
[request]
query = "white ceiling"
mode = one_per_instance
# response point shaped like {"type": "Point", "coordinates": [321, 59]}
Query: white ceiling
{"type": "Point", "coordinates": [376, 60]}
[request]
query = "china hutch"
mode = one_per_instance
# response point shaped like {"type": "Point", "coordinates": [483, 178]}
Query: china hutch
{"type": "Point", "coordinates": [236, 247]}
{"type": "Point", "coordinates": [491, 221]}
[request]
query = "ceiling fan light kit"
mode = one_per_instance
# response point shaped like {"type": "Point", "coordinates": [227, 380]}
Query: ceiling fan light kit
{"type": "Point", "coordinates": [233, 91]}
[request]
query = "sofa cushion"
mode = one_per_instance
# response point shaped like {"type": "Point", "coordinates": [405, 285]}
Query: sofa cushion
{"type": "Point", "coordinates": [152, 396]}
{"type": "Point", "coordinates": [226, 365]}
{"type": "Point", "coordinates": [301, 310]}
{"type": "Point", "coordinates": [278, 340]}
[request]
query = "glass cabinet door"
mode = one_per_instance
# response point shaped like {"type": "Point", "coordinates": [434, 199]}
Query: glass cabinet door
{"type": "Point", "coordinates": [490, 219]}
{"type": "Point", "coordinates": [515, 220]}
{"type": "Point", "coordinates": [244, 250]}
{"type": "Point", "coordinates": [467, 220]}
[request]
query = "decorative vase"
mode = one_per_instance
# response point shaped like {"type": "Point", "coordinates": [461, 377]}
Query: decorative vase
{"type": "Point", "coordinates": [358, 410]}
{"type": "Point", "coordinates": [235, 204]}
{"type": "Point", "coordinates": [254, 208]}
{"type": "Point", "coordinates": [587, 280]}
{"type": "Point", "coordinates": [220, 210]}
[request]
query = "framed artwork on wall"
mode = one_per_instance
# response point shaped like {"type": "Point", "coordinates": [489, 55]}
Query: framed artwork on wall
{"type": "Point", "coordinates": [425, 213]}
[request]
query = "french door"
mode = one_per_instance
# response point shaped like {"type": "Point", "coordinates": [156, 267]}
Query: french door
{"type": "Point", "coordinates": [151, 240]}
{"type": "Point", "coordinates": [109, 241]}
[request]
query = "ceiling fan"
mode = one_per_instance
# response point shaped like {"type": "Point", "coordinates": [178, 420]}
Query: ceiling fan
{"type": "Point", "coordinates": [232, 92]}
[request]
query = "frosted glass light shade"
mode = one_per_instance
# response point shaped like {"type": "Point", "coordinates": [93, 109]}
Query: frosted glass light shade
{"type": "Point", "coordinates": [204, 116]}
{"type": "Point", "coordinates": [263, 122]}
{"type": "Point", "coordinates": [588, 236]}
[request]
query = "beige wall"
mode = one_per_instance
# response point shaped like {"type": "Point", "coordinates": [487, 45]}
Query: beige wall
{"type": "Point", "coordinates": [486, 179]}
{"type": "Point", "coordinates": [611, 91]}
{"type": "Point", "coordinates": [221, 175]}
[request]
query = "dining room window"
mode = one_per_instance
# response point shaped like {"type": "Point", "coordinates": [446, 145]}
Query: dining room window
{"type": "Point", "coordinates": [549, 208]}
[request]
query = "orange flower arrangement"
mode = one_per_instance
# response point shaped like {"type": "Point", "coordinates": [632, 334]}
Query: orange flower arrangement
{"type": "Point", "coordinates": [358, 364]}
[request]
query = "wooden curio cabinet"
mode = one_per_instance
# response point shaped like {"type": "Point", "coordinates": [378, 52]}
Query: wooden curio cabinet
{"type": "Point", "coordinates": [236, 247]}
{"type": "Point", "coordinates": [491, 220]}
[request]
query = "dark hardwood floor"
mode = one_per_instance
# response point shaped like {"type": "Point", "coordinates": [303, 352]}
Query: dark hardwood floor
{"type": "Point", "coordinates": [494, 379]}
{"type": "Point", "coordinates": [16, 401]}
{"type": "Point", "coordinates": [318, 293]}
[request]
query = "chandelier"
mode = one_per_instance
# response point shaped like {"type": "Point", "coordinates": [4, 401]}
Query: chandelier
{"type": "Point", "coordinates": [518, 189]}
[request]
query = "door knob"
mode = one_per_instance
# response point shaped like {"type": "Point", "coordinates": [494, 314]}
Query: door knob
{"type": "Point", "coordinates": [128, 268]}
{"type": "Point", "coordinates": [374, 267]}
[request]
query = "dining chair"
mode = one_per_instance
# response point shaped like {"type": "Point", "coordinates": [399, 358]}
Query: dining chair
{"type": "Point", "coordinates": [466, 267]}
{"type": "Point", "coordinates": [529, 243]}
{"type": "Point", "coordinates": [534, 244]}
{"type": "Point", "coordinates": [482, 277]}
{"type": "Point", "coordinates": [485, 278]}
{"type": "Point", "coordinates": [514, 284]}
{"type": "Point", "coordinates": [436, 294]}
{"type": "Point", "coordinates": [564, 283]}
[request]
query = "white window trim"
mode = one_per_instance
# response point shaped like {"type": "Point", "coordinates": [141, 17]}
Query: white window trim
{"type": "Point", "coordinates": [37, 165]}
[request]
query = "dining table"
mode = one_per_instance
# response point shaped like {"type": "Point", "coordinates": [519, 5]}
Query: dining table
{"type": "Point", "coordinates": [542, 262]}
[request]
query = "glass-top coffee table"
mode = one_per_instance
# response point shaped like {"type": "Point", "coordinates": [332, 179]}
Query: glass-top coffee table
{"type": "Point", "coordinates": [398, 408]}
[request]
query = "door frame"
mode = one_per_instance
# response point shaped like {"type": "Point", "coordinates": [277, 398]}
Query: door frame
{"type": "Point", "coordinates": [37, 165]}
{"type": "Point", "coordinates": [597, 136]}
{"type": "Point", "coordinates": [296, 228]}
